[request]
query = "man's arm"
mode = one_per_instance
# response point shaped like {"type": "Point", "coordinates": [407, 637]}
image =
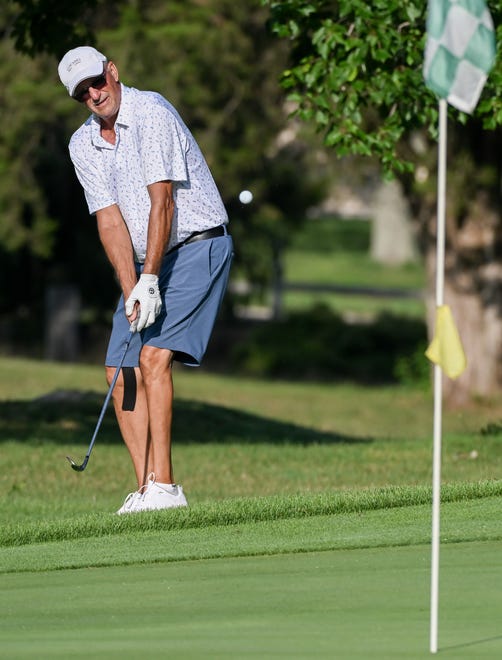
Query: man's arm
{"type": "Point", "coordinates": [146, 293]}
{"type": "Point", "coordinates": [143, 294]}
{"type": "Point", "coordinates": [116, 241]}
{"type": "Point", "coordinates": [159, 224]}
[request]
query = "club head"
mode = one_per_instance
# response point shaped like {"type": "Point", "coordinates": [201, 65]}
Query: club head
{"type": "Point", "coordinates": [78, 468]}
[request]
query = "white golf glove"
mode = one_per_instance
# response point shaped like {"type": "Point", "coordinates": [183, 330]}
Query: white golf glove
{"type": "Point", "coordinates": [146, 293]}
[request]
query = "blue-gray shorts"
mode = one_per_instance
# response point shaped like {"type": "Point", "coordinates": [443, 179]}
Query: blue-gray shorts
{"type": "Point", "coordinates": [192, 283]}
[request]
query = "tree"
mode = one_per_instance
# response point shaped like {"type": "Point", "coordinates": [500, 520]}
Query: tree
{"type": "Point", "coordinates": [215, 60]}
{"type": "Point", "coordinates": [219, 65]}
{"type": "Point", "coordinates": [52, 27]}
{"type": "Point", "coordinates": [392, 238]}
{"type": "Point", "coordinates": [355, 71]}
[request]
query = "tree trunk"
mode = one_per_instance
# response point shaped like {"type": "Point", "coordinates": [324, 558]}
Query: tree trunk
{"type": "Point", "coordinates": [473, 277]}
{"type": "Point", "coordinates": [392, 238]}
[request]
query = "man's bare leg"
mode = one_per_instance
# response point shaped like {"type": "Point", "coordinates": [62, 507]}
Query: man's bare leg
{"type": "Point", "coordinates": [134, 425]}
{"type": "Point", "coordinates": [156, 370]}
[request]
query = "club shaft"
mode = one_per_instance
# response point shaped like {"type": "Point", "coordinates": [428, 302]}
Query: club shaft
{"type": "Point", "coordinates": [106, 402]}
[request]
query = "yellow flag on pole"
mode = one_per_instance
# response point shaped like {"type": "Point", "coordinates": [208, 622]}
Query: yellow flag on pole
{"type": "Point", "coordinates": [446, 348]}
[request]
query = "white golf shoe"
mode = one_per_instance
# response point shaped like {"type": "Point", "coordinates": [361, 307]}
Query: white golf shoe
{"type": "Point", "coordinates": [152, 497]}
{"type": "Point", "coordinates": [158, 497]}
{"type": "Point", "coordinates": [132, 502]}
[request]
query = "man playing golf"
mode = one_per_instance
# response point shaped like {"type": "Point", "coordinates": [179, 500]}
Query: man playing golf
{"type": "Point", "coordinates": [162, 224]}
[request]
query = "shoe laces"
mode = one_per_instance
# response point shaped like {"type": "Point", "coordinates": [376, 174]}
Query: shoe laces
{"type": "Point", "coordinates": [140, 493]}
{"type": "Point", "coordinates": [129, 500]}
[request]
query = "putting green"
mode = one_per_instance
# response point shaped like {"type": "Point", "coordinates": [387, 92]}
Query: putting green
{"type": "Point", "coordinates": [357, 604]}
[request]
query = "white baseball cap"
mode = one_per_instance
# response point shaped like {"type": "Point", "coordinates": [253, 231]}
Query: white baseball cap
{"type": "Point", "coordinates": [80, 64]}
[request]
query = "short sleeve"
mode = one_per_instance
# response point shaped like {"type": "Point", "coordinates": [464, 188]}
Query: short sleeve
{"type": "Point", "coordinates": [97, 193]}
{"type": "Point", "coordinates": [163, 146]}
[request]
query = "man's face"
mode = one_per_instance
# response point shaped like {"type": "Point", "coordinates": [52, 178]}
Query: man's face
{"type": "Point", "coordinates": [101, 95]}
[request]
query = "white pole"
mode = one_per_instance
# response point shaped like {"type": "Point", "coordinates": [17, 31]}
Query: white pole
{"type": "Point", "coordinates": [436, 467]}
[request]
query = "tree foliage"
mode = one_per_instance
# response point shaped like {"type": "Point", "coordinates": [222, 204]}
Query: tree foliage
{"type": "Point", "coordinates": [53, 26]}
{"type": "Point", "coordinates": [215, 61]}
{"type": "Point", "coordinates": [356, 72]}
{"type": "Point", "coordinates": [219, 65]}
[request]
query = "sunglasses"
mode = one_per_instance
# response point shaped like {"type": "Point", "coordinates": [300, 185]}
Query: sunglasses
{"type": "Point", "coordinates": [98, 83]}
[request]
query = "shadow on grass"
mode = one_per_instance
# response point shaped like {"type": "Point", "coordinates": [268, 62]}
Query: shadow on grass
{"type": "Point", "coordinates": [70, 417]}
{"type": "Point", "coordinates": [476, 642]}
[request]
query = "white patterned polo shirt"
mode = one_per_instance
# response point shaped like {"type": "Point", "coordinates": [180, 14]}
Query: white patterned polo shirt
{"type": "Point", "coordinates": [152, 144]}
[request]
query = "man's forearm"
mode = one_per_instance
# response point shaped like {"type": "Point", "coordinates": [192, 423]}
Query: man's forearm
{"type": "Point", "coordinates": [159, 225]}
{"type": "Point", "coordinates": [116, 242]}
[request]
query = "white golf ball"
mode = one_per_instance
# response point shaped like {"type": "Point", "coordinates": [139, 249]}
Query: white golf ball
{"type": "Point", "coordinates": [246, 196]}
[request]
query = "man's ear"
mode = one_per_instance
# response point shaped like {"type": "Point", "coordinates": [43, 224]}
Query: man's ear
{"type": "Point", "coordinates": [114, 71]}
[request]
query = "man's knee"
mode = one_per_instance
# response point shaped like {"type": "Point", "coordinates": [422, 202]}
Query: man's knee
{"type": "Point", "coordinates": [154, 362]}
{"type": "Point", "coordinates": [109, 373]}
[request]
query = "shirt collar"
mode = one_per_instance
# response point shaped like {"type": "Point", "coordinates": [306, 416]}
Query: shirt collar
{"type": "Point", "coordinates": [124, 118]}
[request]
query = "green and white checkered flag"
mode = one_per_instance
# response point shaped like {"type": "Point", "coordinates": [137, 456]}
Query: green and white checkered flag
{"type": "Point", "coordinates": [460, 50]}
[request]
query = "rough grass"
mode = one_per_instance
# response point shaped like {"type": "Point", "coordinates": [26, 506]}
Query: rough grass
{"type": "Point", "coordinates": [241, 510]}
{"type": "Point", "coordinates": [233, 438]}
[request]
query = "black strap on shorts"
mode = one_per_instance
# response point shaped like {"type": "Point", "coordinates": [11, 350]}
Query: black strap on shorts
{"type": "Point", "coordinates": [130, 387]}
{"type": "Point", "coordinates": [201, 236]}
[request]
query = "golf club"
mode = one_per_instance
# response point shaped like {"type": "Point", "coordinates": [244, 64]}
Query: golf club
{"type": "Point", "coordinates": [82, 466]}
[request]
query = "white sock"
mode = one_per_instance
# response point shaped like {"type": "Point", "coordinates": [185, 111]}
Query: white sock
{"type": "Point", "coordinates": [171, 488]}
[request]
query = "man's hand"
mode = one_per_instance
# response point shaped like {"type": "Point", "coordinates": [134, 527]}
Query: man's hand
{"type": "Point", "coordinates": [146, 294]}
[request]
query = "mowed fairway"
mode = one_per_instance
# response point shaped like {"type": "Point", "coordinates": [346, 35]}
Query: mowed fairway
{"type": "Point", "coordinates": [363, 593]}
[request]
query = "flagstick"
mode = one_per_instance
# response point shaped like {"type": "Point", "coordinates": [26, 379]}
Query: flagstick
{"type": "Point", "coordinates": [436, 468]}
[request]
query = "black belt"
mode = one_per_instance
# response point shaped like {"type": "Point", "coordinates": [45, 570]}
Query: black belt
{"type": "Point", "coordinates": [201, 236]}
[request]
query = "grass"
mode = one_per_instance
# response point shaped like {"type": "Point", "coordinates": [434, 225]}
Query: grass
{"type": "Point", "coordinates": [242, 511]}
{"type": "Point", "coordinates": [350, 269]}
{"type": "Point", "coordinates": [309, 522]}
{"type": "Point", "coordinates": [356, 306]}
{"type": "Point", "coordinates": [336, 252]}
{"type": "Point", "coordinates": [297, 605]}
{"type": "Point", "coordinates": [329, 251]}
{"type": "Point", "coordinates": [233, 438]}
{"type": "Point", "coordinates": [303, 584]}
